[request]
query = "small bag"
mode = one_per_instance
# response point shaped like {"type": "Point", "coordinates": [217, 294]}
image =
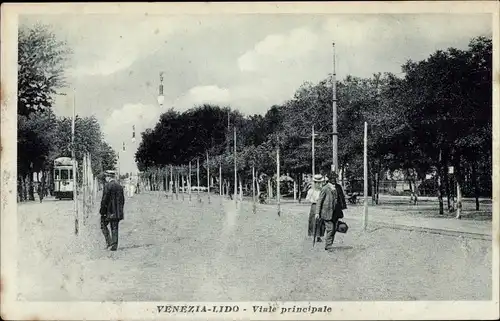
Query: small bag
{"type": "Point", "coordinates": [341, 227]}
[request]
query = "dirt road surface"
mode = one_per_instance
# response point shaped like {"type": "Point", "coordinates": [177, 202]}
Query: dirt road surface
{"type": "Point", "coordinates": [181, 250]}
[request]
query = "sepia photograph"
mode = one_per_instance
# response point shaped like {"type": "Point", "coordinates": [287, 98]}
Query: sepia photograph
{"type": "Point", "coordinates": [250, 161]}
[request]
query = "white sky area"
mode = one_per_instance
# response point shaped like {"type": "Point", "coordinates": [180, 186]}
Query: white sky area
{"type": "Point", "coordinates": [248, 62]}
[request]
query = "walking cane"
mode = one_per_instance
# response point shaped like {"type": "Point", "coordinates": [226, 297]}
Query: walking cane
{"type": "Point", "coordinates": [316, 223]}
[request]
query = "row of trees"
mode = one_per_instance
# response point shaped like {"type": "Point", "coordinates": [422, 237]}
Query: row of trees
{"type": "Point", "coordinates": [437, 115]}
{"type": "Point", "coordinates": [42, 136]}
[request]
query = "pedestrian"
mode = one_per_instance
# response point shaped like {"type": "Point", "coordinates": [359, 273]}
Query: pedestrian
{"type": "Point", "coordinates": [340, 193]}
{"type": "Point", "coordinates": [112, 203]}
{"type": "Point", "coordinates": [40, 191]}
{"type": "Point", "coordinates": [312, 196]}
{"type": "Point", "coordinates": [329, 208]}
{"type": "Point", "coordinates": [262, 198]}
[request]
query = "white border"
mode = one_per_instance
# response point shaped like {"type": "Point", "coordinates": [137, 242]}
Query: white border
{"type": "Point", "coordinates": [423, 310]}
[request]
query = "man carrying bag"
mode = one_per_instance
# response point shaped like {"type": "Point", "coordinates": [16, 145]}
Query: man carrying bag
{"type": "Point", "coordinates": [329, 209]}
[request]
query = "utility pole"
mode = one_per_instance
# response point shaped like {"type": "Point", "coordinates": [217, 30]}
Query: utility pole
{"type": "Point", "coordinates": [254, 207]}
{"type": "Point", "coordinates": [235, 168]}
{"type": "Point", "coordinates": [220, 175]}
{"type": "Point", "coordinates": [172, 181]}
{"type": "Point", "coordinates": [208, 179]}
{"type": "Point", "coordinates": [376, 183]}
{"type": "Point", "coordinates": [278, 176]}
{"type": "Point", "coordinates": [228, 147]}
{"type": "Point", "coordinates": [177, 183]}
{"type": "Point", "coordinates": [365, 171]}
{"type": "Point", "coordinates": [73, 156]}
{"type": "Point", "coordinates": [190, 180]}
{"type": "Point", "coordinates": [84, 188]}
{"type": "Point", "coordinates": [313, 155]}
{"type": "Point", "coordinates": [334, 120]}
{"type": "Point", "coordinates": [198, 177]}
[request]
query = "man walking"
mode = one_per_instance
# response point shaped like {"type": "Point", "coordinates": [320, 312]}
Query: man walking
{"type": "Point", "coordinates": [40, 191]}
{"type": "Point", "coordinates": [329, 208]}
{"type": "Point", "coordinates": [113, 200]}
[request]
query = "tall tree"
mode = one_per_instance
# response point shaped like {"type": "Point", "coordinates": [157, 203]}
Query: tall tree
{"type": "Point", "coordinates": [41, 63]}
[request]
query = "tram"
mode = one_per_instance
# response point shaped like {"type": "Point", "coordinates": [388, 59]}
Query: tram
{"type": "Point", "coordinates": [63, 178]}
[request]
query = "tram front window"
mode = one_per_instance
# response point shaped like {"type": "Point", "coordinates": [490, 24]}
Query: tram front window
{"type": "Point", "coordinates": [64, 174]}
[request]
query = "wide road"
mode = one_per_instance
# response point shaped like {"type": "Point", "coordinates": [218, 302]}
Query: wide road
{"type": "Point", "coordinates": [181, 250]}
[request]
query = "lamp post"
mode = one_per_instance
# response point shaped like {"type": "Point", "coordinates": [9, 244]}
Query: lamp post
{"type": "Point", "coordinates": [73, 157]}
{"type": "Point", "coordinates": [334, 117]}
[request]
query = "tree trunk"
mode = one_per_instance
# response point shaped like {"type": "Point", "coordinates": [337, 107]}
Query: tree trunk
{"type": "Point", "coordinates": [257, 183]}
{"type": "Point", "coordinates": [42, 183]}
{"type": "Point", "coordinates": [241, 190]}
{"type": "Point", "coordinates": [372, 188]}
{"type": "Point", "coordinates": [342, 170]}
{"type": "Point", "coordinates": [25, 188]}
{"type": "Point", "coordinates": [408, 178]}
{"type": "Point", "coordinates": [439, 171]}
{"type": "Point", "coordinates": [447, 182]}
{"type": "Point", "coordinates": [300, 187]}
{"type": "Point", "coordinates": [459, 181]}
{"type": "Point", "coordinates": [372, 183]}
{"type": "Point", "coordinates": [30, 188]}
{"type": "Point", "coordinates": [476, 184]}
{"type": "Point", "coordinates": [19, 188]}
{"type": "Point", "coordinates": [416, 189]}
{"type": "Point", "coordinates": [378, 175]}
{"type": "Point", "coordinates": [459, 199]}
{"type": "Point", "coordinates": [47, 182]}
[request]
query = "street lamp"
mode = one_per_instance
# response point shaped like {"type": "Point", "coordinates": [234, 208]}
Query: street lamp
{"type": "Point", "coordinates": [161, 97]}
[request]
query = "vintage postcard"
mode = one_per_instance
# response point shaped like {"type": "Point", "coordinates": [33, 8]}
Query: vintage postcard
{"type": "Point", "coordinates": [250, 161]}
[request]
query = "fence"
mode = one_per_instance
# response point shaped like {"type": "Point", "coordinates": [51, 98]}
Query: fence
{"type": "Point", "coordinates": [89, 188]}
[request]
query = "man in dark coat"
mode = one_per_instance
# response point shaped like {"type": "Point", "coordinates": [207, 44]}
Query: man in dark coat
{"type": "Point", "coordinates": [40, 191]}
{"type": "Point", "coordinates": [329, 208]}
{"type": "Point", "coordinates": [113, 200]}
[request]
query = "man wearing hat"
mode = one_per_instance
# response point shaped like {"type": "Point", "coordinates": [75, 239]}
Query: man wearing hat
{"type": "Point", "coordinates": [329, 208]}
{"type": "Point", "coordinates": [312, 196]}
{"type": "Point", "coordinates": [113, 200]}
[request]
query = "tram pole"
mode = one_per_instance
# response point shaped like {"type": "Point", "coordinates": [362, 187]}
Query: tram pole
{"type": "Point", "coordinates": [73, 157]}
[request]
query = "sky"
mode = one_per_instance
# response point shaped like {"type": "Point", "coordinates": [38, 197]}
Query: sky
{"type": "Point", "coordinates": [249, 62]}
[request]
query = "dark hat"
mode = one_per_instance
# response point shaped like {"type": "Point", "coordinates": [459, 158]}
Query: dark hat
{"type": "Point", "coordinates": [333, 176]}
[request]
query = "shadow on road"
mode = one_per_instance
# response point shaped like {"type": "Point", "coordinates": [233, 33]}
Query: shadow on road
{"type": "Point", "coordinates": [342, 247]}
{"type": "Point", "coordinates": [134, 246]}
